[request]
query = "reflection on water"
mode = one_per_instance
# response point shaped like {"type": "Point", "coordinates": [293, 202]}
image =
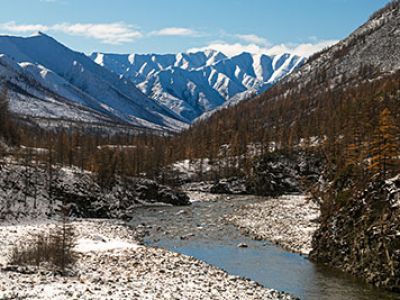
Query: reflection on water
{"type": "Point", "coordinates": [212, 241]}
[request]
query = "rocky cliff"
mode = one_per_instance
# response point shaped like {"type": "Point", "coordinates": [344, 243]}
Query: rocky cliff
{"type": "Point", "coordinates": [363, 236]}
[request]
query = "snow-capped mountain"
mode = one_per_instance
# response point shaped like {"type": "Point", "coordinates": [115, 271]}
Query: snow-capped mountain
{"type": "Point", "coordinates": [47, 80]}
{"type": "Point", "coordinates": [191, 84]}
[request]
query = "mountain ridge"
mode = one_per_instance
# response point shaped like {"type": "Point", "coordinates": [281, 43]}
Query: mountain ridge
{"type": "Point", "coordinates": [51, 69]}
{"type": "Point", "coordinates": [194, 83]}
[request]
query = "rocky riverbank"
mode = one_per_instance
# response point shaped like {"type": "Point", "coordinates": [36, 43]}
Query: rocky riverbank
{"type": "Point", "coordinates": [289, 221]}
{"type": "Point", "coordinates": [361, 234]}
{"type": "Point", "coordinates": [29, 192]}
{"type": "Point", "coordinates": [112, 265]}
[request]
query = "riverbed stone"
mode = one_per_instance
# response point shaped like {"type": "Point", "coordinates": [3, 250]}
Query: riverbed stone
{"type": "Point", "coordinates": [288, 221]}
{"type": "Point", "coordinates": [130, 272]}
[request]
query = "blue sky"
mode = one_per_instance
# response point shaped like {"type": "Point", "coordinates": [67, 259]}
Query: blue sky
{"type": "Point", "coordinates": [170, 26]}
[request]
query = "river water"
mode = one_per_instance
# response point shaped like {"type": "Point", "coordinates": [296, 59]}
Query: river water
{"type": "Point", "coordinates": [199, 231]}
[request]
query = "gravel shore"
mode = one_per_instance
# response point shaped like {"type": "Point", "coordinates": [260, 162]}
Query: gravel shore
{"type": "Point", "coordinates": [113, 265]}
{"type": "Point", "coordinates": [288, 221]}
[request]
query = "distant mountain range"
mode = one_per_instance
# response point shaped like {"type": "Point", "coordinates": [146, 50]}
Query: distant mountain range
{"type": "Point", "coordinates": [191, 84]}
{"type": "Point", "coordinates": [50, 83]}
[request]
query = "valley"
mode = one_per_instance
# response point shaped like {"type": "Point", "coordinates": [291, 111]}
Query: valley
{"type": "Point", "coordinates": [258, 171]}
{"type": "Point", "coordinates": [207, 236]}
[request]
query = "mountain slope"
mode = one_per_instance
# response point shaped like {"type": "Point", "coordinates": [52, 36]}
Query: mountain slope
{"type": "Point", "coordinates": [31, 98]}
{"type": "Point", "coordinates": [341, 106]}
{"type": "Point", "coordinates": [373, 47]}
{"type": "Point", "coordinates": [368, 54]}
{"type": "Point", "coordinates": [191, 84]}
{"type": "Point", "coordinates": [50, 69]}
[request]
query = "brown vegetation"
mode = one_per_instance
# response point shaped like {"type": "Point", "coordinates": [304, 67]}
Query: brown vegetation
{"type": "Point", "coordinates": [53, 249]}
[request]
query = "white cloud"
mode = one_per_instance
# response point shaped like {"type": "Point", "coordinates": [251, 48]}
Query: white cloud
{"type": "Point", "coordinates": [252, 38]}
{"type": "Point", "coordinates": [120, 33]}
{"type": "Point", "coordinates": [108, 33]}
{"type": "Point", "coordinates": [175, 31]}
{"type": "Point", "coordinates": [232, 49]}
{"type": "Point", "coordinates": [111, 33]}
{"type": "Point", "coordinates": [22, 28]}
{"type": "Point", "coordinates": [306, 49]}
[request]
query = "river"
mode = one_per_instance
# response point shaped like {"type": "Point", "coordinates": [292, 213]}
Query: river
{"type": "Point", "coordinates": [200, 231]}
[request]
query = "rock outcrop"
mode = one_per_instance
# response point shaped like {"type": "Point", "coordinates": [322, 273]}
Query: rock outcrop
{"type": "Point", "coordinates": [363, 236]}
{"type": "Point", "coordinates": [277, 174]}
{"type": "Point", "coordinates": [28, 191]}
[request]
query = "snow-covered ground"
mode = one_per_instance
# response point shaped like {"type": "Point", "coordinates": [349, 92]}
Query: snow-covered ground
{"type": "Point", "coordinates": [288, 221]}
{"type": "Point", "coordinates": [112, 265]}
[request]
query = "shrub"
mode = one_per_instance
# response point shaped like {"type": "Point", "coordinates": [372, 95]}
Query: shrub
{"type": "Point", "coordinates": [54, 249]}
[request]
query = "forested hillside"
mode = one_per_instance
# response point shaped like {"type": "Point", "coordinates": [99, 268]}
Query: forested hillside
{"type": "Point", "coordinates": [343, 106]}
{"type": "Point", "coordinates": [339, 111]}
{"type": "Point", "coordinates": [339, 120]}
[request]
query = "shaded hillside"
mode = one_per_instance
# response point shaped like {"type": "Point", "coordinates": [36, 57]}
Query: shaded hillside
{"type": "Point", "coordinates": [361, 234]}
{"type": "Point", "coordinates": [40, 191]}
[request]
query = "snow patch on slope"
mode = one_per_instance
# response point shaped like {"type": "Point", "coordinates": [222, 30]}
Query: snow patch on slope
{"type": "Point", "coordinates": [41, 68]}
{"type": "Point", "coordinates": [191, 84]}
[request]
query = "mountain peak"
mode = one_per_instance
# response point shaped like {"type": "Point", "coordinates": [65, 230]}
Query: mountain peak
{"type": "Point", "coordinates": [244, 55]}
{"type": "Point", "coordinates": [40, 34]}
{"type": "Point", "coordinates": [196, 82]}
{"type": "Point", "coordinates": [79, 88]}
